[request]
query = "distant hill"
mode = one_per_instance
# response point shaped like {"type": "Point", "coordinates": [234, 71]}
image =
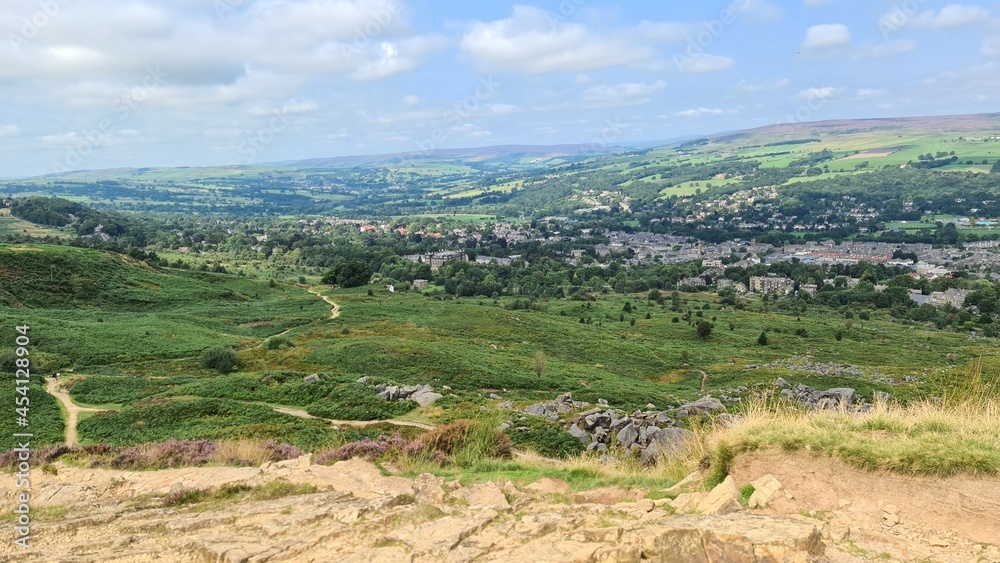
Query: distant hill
{"type": "Point", "coordinates": [480, 154]}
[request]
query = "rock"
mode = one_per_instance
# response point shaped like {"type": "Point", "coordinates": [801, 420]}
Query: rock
{"type": "Point", "coordinates": [429, 489]}
{"type": "Point", "coordinates": [723, 499]}
{"type": "Point", "coordinates": [364, 380]}
{"type": "Point", "coordinates": [485, 495]}
{"type": "Point", "coordinates": [547, 486]}
{"type": "Point", "coordinates": [579, 434]}
{"type": "Point", "coordinates": [628, 435]}
{"type": "Point", "coordinates": [780, 383]}
{"type": "Point", "coordinates": [890, 509]}
{"type": "Point", "coordinates": [938, 542]}
{"type": "Point", "coordinates": [689, 483]}
{"type": "Point", "coordinates": [506, 405]}
{"type": "Point", "coordinates": [650, 406]}
{"type": "Point", "coordinates": [314, 378]}
{"type": "Point", "coordinates": [440, 536]}
{"type": "Point", "coordinates": [425, 398]}
{"type": "Point", "coordinates": [687, 502]}
{"type": "Point", "coordinates": [766, 489]}
{"type": "Point", "coordinates": [705, 405]}
{"type": "Point", "coordinates": [881, 397]}
{"type": "Point", "coordinates": [724, 420]}
{"type": "Point", "coordinates": [602, 402]}
{"type": "Point", "coordinates": [843, 397]}
{"type": "Point", "coordinates": [668, 443]}
{"type": "Point", "coordinates": [736, 538]}
{"type": "Point", "coordinates": [645, 505]}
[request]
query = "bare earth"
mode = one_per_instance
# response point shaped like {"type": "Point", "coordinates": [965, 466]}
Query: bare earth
{"type": "Point", "coordinates": [359, 514]}
{"type": "Point", "coordinates": [72, 410]}
{"type": "Point", "coordinates": [961, 512]}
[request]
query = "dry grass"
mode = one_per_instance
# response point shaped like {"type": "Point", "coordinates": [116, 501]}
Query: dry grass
{"type": "Point", "coordinates": [959, 433]}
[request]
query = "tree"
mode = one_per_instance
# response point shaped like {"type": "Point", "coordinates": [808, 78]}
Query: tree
{"type": "Point", "coordinates": [762, 340]}
{"type": "Point", "coordinates": [704, 329]}
{"type": "Point", "coordinates": [654, 295]}
{"type": "Point", "coordinates": [539, 363]}
{"type": "Point", "coordinates": [352, 273]}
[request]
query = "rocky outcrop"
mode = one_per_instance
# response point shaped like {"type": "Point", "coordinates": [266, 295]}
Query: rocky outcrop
{"type": "Point", "coordinates": [423, 395]}
{"type": "Point", "coordinates": [841, 398]}
{"type": "Point", "coordinates": [358, 514]}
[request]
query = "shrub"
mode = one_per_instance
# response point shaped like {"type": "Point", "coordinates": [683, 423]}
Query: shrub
{"type": "Point", "coordinates": [468, 441]}
{"type": "Point", "coordinates": [219, 358]}
{"type": "Point", "coordinates": [367, 449]}
{"type": "Point", "coordinates": [546, 439]}
{"type": "Point", "coordinates": [279, 342]}
{"type": "Point", "coordinates": [355, 401]}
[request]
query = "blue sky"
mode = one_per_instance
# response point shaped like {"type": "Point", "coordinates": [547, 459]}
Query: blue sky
{"type": "Point", "coordinates": [125, 83]}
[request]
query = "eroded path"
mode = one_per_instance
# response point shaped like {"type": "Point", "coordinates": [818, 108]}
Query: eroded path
{"type": "Point", "coordinates": [359, 423]}
{"type": "Point", "coordinates": [72, 410]}
{"type": "Point", "coordinates": [336, 308]}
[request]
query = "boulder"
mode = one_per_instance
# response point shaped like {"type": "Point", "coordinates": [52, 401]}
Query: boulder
{"type": "Point", "coordinates": [579, 434]}
{"type": "Point", "coordinates": [735, 538]}
{"type": "Point", "coordinates": [485, 495]}
{"type": "Point", "coordinates": [705, 405]}
{"type": "Point", "coordinates": [425, 398]}
{"type": "Point", "coordinates": [668, 443]}
{"type": "Point", "coordinates": [314, 378]}
{"type": "Point", "coordinates": [723, 499]}
{"type": "Point", "coordinates": [628, 435]}
{"type": "Point", "coordinates": [766, 489]}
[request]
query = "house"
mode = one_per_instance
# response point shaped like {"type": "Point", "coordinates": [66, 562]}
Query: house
{"type": "Point", "coordinates": [421, 284]}
{"type": "Point", "coordinates": [771, 285]}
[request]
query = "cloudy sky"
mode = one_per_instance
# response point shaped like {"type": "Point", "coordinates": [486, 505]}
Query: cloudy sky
{"type": "Point", "coordinates": [113, 83]}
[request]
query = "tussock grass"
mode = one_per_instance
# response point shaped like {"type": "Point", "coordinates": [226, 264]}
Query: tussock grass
{"type": "Point", "coordinates": [958, 433]}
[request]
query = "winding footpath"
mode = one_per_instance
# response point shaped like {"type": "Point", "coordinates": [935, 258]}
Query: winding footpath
{"type": "Point", "coordinates": [72, 410]}
{"type": "Point", "coordinates": [336, 308]}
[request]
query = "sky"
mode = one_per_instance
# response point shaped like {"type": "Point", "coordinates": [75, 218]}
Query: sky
{"type": "Point", "coordinates": [90, 84]}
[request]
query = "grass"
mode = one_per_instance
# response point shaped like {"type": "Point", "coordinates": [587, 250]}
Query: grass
{"type": "Point", "coordinates": [236, 492]}
{"type": "Point", "coordinates": [957, 434]}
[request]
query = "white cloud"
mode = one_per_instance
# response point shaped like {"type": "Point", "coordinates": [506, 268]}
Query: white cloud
{"type": "Point", "coordinates": [673, 32]}
{"type": "Point", "coordinates": [9, 130]}
{"type": "Point", "coordinates": [759, 11]}
{"type": "Point", "coordinates": [816, 3]}
{"type": "Point", "coordinates": [887, 49]}
{"type": "Point", "coordinates": [821, 94]}
{"type": "Point", "coordinates": [870, 93]}
{"type": "Point", "coordinates": [991, 47]}
{"type": "Point", "coordinates": [403, 56]}
{"type": "Point", "coordinates": [699, 112]}
{"type": "Point", "coordinates": [628, 94]}
{"type": "Point", "coordinates": [703, 63]}
{"type": "Point", "coordinates": [411, 100]}
{"type": "Point", "coordinates": [531, 41]}
{"type": "Point", "coordinates": [751, 87]}
{"type": "Point", "coordinates": [951, 16]}
{"type": "Point", "coordinates": [827, 37]}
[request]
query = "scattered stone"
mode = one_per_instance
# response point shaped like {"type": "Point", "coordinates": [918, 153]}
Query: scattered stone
{"type": "Point", "coordinates": [766, 489]}
{"type": "Point", "coordinates": [579, 434]}
{"type": "Point", "coordinates": [705, 405]}
{"type": "Point", "coordinates": [780, 383]}
{"type": "Point", "coordinates": [723, 499]}
{"type": "Point", "coordinates": [314, 378]}
{"type": "Point", "coordinates": [645, 505]}
{"type": "Point", "coordinates": [938, 542]}
{"type": "Point", "coordinates": [687, 502]}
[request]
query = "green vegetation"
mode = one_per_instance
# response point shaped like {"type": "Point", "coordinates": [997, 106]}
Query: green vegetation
{"type": "Point", "coordinates": [220, 359]}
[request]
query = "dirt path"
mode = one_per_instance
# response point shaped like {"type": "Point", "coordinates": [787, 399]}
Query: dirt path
{"type": "Point", "coordinates": [336, 308]}
{"type": "Point", "coordinates": [72, 410]}
{"type": "Point", "coordinates": [360, 423]}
